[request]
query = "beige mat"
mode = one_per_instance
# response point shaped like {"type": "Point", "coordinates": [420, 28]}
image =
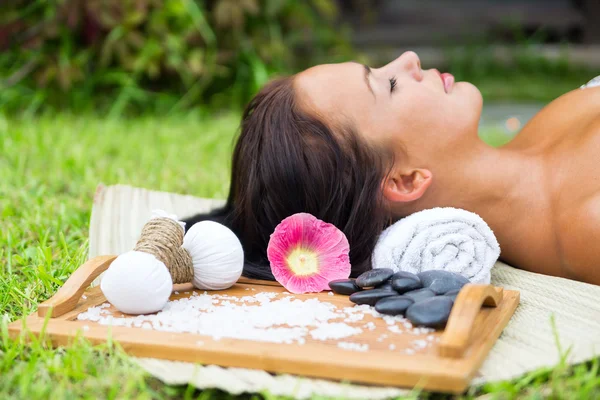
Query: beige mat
{"type": "Point", "coordinates": [527, 343]}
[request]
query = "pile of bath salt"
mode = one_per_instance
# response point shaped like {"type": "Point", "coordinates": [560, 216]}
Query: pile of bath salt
{"type": "Point", "coordinates": [260, 317]}
{"type": "Point", "coordinates": [257, 317]}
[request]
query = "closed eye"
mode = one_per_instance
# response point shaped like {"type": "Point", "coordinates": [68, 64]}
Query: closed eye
{"type": "Point", "coordinates": [392, 84]}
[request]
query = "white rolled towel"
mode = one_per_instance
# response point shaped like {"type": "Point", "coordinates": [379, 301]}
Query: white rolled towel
{"type": "Point", "coordinates": [443, 238]}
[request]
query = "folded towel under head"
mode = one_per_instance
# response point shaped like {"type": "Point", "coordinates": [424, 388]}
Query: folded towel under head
{"type": "Point", "coordinates": [444, 238]}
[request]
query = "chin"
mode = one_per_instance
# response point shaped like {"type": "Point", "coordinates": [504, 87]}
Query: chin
{"type": "Point", "coordinates": [470, 96]}
{"type": "Point", "coordinates": [469, 91]}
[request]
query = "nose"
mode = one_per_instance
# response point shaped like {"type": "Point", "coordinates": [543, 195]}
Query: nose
{"type": "Point", "coordinates": [409, 61]}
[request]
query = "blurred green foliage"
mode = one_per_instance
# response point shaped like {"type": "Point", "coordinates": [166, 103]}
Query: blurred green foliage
{"type": "Point", "coordinates": [519, 71]}
{"type": "Point", "coordinates": [156, 55]}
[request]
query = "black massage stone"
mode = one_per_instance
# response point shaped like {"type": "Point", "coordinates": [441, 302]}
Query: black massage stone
{"type": "Point", "coordinates": [344, 286]}
{"type": "Point", "coordinates": [442, 281]}
{"type": "Point", "coordinates": [420, 294]}
{"type": "Point", "coordinates": [432, 313]}
{"type": "Point", "coordinates": [393, 305]}
{"type": "Point", "coordinates": [374, 277]}
{"type": "Point", "coordinates": [371, 297]}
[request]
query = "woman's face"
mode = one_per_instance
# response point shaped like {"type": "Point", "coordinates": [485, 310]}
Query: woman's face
{"type": "Point", "coordinates": [419, 113]}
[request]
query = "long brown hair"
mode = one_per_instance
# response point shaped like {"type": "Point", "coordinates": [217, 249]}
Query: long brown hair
{"type": "Point", "coordinates": [285, 162]}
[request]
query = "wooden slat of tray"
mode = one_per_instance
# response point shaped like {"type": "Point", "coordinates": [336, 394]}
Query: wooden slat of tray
{"type": "Point", "coordinates": [322, 359]}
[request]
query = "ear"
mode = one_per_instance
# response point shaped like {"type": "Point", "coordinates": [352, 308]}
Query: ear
{"type": "Point", "coordinates": [407, 186]}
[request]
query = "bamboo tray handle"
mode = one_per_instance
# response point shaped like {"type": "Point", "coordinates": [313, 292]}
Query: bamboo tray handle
{"type": "Point", "coordinates": [69, 294]}
{"type": "Point", "coordinates": [469, 301]}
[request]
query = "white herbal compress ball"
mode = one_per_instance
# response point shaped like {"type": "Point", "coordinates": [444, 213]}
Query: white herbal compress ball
{"type": "Point", "coordinates": [217, 255]}
{"type": "Point", "coordinates": [137, 283]}
{"type": "Point", "coordinates": [140, 281]}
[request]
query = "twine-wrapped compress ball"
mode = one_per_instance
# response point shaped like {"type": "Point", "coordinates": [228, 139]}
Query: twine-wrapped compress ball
{"type": "Point", "coordinates": [140, 281]}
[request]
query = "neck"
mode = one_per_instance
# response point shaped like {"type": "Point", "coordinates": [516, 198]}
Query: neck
{"type": "Point", "coordinates": [495, 183]}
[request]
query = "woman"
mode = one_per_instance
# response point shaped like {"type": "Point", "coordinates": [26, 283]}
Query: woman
{"type": "Point", "coordinates": [361, 148]}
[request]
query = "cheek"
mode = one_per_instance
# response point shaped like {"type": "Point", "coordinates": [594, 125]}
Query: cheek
{"type": "Point", "coordinates": [453, 114]}
{"type": "Point", "coordinates": [406, 118]}
{"type": "Point", "coordinates": [424, 113]}
{"type": "Point", "coordinates": [417, 118]}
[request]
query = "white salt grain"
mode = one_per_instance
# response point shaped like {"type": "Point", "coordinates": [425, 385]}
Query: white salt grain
{"type": "Point", "coordinates": [422, 331]}
{"type": "Point", "coordinates": [353, 346]}
{"type": "Point", "coordinates": [395, 329]}
{"type": "Point", "coordinates": [363, 307]}
{"type": "Point", "coordinates": [380, 338]}
{"type": "Point", "coordinates": [392, 347]}
{"type": "Point", "coordinates": [409, 351]}
{"type": "Point", "coordinates": [334, 331]}
{"type": "Point", "coordinates": [176, 292]}
{"type": "Point", "coordinates": [330, 293]}
{"type": "Point", "coordinates": [84, 297]}
{"type": "Point", "coordinates": [355, 318]}
{"type": "Point", "coordinates": [86, 328]}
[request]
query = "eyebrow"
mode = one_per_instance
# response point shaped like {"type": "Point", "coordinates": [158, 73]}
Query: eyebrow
{"type": "Point", "coordinates": [367, 73]}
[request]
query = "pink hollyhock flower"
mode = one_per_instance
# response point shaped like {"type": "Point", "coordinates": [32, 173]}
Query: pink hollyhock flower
{"type": "Point", "coordinates": [306, 254]}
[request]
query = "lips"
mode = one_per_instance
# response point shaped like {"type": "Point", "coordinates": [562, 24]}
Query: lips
{"type": "Point", "coordinates": [448, 80]}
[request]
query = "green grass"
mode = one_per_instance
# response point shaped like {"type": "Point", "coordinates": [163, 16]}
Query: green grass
{"type": "Point", "coordinates": [49, 169]}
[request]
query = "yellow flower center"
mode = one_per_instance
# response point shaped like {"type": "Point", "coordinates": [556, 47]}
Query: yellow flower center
{"type": "Point", "coordinates": [303, 262]}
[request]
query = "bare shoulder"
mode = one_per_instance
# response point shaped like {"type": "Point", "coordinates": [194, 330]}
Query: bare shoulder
{"type": "Point", "coordinates": [588, 97]}
{"type": "Point", "coordinates": [579, 239]}
{"type": "Point", "coordinates": [563, 117]}
{"type": "Point", "coordinates": [565, 136]}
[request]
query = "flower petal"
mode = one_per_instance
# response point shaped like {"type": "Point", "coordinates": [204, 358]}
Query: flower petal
{"type": "Point", "coordinates": [292, 249]}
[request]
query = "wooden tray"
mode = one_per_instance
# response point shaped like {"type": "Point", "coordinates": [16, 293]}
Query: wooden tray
{"type": "Point", "coordinates": [448, 362]}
